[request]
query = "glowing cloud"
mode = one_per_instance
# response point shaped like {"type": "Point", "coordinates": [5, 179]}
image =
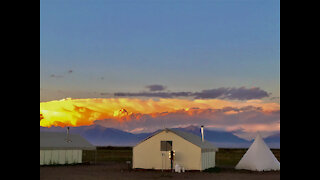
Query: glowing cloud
{"type": "Point", "coordinates": [136, 114]}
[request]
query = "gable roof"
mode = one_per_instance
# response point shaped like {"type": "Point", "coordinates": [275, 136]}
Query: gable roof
{"type": "Point", "coordinates": [192, 138]}
{"type": "Point", "coordinates": [57, 141]}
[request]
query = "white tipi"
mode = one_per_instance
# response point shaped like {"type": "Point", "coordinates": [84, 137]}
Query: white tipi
{"type": "Point", "coordinates": [259, 157]}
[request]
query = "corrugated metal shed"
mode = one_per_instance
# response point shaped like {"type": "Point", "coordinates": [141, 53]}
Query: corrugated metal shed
{"type": "Point", "coordinates": [57, 141]}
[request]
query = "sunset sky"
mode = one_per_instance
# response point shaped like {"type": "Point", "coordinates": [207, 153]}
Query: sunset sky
{"type": "Point", "coordinates": [138, 64]}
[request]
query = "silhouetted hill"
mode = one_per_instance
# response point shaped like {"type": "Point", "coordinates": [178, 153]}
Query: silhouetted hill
{"type": "Point", "coordinates": [273, 139]}
{"type": "Point", "coordinates": [214, 136]}
{"type": "Point", "coordinates": [102, 136]}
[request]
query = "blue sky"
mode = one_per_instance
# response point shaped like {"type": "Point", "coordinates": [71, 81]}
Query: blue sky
{"type": "Point", "coordinates": [89, 47]}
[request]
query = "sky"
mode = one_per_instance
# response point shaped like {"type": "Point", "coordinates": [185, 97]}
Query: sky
{"type": "Point", "coordinates": [153, 50]}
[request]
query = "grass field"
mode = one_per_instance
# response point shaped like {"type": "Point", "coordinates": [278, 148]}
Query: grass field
{"type": "Point", "coordinates": [111, 164]}
{"type": "Point", "coordinates": [224, 158]}
{"type": "Point", "coordinates": [231, 157]}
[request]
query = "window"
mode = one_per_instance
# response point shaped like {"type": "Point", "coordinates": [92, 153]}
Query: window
{"type": "Point", "coordinates": [166, 145]}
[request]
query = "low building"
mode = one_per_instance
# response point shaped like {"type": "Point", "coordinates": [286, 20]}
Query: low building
{"type": "Point", "coordinates": [62, 149]}
{"type": "Point", "coordinates": [190, 151]}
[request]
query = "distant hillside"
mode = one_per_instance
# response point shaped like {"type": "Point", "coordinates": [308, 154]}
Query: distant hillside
{"type": "Point", "coordinates": [273, 139]}
{"type": "Point", "coordinates": [102, 136]}
{"type": "Point", "coordinates": [215, 136]}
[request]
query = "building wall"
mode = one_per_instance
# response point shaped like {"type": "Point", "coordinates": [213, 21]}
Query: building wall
{"type": "Point", "coordinates": [147, 155]}
{"type": "Point", "coordinates": [60, 157]}
{"type": "Point", "coordinates": [208, 159]}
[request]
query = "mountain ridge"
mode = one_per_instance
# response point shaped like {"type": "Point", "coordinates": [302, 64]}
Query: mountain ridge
{"type": "Point", "coordinates": [103, 136]}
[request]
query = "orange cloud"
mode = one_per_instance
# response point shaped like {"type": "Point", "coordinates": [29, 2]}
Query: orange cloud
{"type": "Point", "coordinates": [80, 112]}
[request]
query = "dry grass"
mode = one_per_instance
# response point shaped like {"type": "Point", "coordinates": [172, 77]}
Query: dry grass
{"type": "Point", "coordinates": [230, 157]}
{"type": "Point", "coordinates": [224, 158]}
{"type": "Point", "coordinates": [111, 164]}
{"type": "Point", "coordinates": [119, 171]}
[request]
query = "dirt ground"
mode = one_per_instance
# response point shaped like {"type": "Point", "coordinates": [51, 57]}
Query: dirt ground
{"type": "Point", "coordinates": [119, 171]}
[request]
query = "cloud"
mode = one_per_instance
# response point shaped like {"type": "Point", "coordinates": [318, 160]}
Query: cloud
{"type": "Point", "coordinates": [156, 87]}
{"type": "Point", "coordinates": [57, 76]}
{"type": "Point", "coordinates": [220, 93]}
{"type": "Point", "coordinates": [155, 94]}
{"type": "Point", "coordinates": [248, 120]}
{"type": "Point", "coordinates": [134, 115]}
{"type": "Point", "coordinates": [233, 93]}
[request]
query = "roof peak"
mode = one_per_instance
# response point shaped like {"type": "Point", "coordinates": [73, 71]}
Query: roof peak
{"type": "Point", "coordinates": [192, 138]}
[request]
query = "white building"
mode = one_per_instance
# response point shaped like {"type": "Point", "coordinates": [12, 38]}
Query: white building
{"type": "Point", "coordinates": [60, 149]}
{"type": "Point", "coordinates": [190, 151]}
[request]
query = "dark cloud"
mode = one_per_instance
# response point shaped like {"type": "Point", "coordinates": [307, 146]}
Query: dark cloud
{"type": "Point", "coordinates": [155, 94]}
{"type": "Point", "coordinates": [56, 76]}
{"type": "Point", "coordinates": [243, 109]}
{"type": "Point", "coordinates": [220, 93]}
{"type": "Point", "coordinates": [232, 93]}
{"type": "Point", "coordinates": [156, 87]}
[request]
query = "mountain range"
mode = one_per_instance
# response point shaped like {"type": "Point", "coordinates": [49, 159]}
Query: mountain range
{"type": "Point", "coordinates": [102, 136]}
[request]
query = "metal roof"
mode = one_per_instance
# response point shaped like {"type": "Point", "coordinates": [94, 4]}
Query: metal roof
{"type": "Point", "coordinates": [58, 141]}
{"type": "Point", "coordinates": [192, 138]}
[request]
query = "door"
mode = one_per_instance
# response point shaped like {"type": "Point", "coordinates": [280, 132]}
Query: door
{"type": "Point", "coordinates": [165, 149]}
